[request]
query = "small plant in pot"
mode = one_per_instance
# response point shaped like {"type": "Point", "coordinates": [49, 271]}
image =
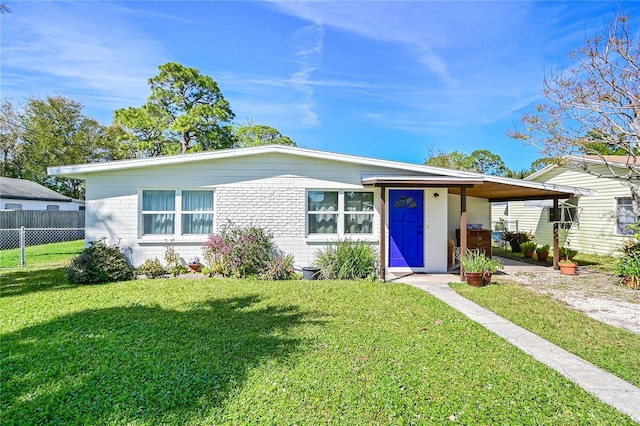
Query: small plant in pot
{"type": "Point", "coordinates": [542, 252]}
{"type": "Point", "coordinates": [516, 239]}
{"type": "Point", "coordinates": [478, 268]}
{"type": "Point", "coordinates": [528, 249]}
{"type": "Point", "coordinates": [567, 265]}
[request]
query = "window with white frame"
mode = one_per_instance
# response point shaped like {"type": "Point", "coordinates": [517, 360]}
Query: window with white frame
{"type": "Point", "coordinates": [624, 215]}
{"type": "Point", "coordinates": [177, 212]}
{"type": "Point", "coordinates": [53, 207]}
{"type": "Point", "coordinates": [13, 206]}
{"type": "Point", "coordinates": [340, 212]}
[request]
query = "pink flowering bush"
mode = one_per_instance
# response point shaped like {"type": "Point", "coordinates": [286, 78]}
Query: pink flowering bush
{"type": "Point", "coordinates": [241, 252]}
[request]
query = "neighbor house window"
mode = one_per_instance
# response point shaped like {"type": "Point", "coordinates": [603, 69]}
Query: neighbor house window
{"type": "Point", "coordinates": [340, 212]}
{"type": "Point", "coordinates": [177, 212]}
{"type": "Point", "coordinates": [568, 211]}
{"type": "Point", "coordinates": [53, 207]}
{"type": "Point", "coordinates": [624, 215]}
{"type": "Point", "coordinates": [13, 206]}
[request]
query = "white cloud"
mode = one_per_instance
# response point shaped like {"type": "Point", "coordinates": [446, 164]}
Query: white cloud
{"type": "Point", "coordinates": [83, 50]}
{"type": "Point", "coordinates": [308, 42]}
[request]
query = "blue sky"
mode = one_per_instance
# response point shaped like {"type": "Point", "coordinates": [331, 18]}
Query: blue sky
{"type": "Point", "coordinates": [383, 79]}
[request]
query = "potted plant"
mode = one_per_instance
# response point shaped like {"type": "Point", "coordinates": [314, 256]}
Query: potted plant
{"type": "Point", "coordinates": [542, 252]}
{"type": "Point", "coordinates": [515, 239]}
{"type": "Point", "coordinates": [567, 265]}
{"type": "Point", "coordinates": [528, 248]}
{"type": "Point", "coordinates": [478, 268]}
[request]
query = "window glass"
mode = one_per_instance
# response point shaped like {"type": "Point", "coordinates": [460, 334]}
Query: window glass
{"type": "Point", "coordinates": [358, 223]}
{"type": "Point", "coordinates": [358, 201]}
{"type": "Point", "coordinates": [52, 207]}
{"type": "Point", "coordinates": [164, 203]}
{"type": "Point", "coordinates": [625, 216]}
{"type": "Point", "coordinates": [13, 206]}
{"type": "Point", "coordinates": [155, 200]}
{"type": "Point", "coordinates": [197, 201]}
{"type": "Point", "coordinates": [323, 212]}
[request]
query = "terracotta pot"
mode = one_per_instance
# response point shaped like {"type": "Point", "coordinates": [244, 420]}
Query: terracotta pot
{"type": "Point", "coordinates": [195, 267]}
{"type": "Point", "coordinates": [486, 278]}
{"type": "Point", "coordinates": [567, 268]}
{"type": "Point", "coordinates": [542, 256]}
{"type": "Point", "coordinates": [475, 279]}
{"type": "Point", "coordinates": [528, 254]}
{"type": "Point", "coordinates": [632, 282]}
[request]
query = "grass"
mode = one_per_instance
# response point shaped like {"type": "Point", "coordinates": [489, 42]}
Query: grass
{"type": "Point", "coordinates": [605, 264]}
{"type": "Point", "coordinates": [55, 254]}
{"type": "Point", "coordinates": [611, 348]}
{"type": "Point", "coordinates": [177, 351]}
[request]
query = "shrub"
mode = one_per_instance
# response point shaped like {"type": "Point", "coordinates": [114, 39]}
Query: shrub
{"type": "Point", "coordinates": [628, 267]}
{"type": "Point", "coordinates": [239, 252]}
{"type": "Point", "coordinates": [279, 268]}
{"type": "Point", "coordinates": [174, 266]}
{"type": "Point", "coordinates": [100, 263]}
{"type": "Point", "coordinates": [528, 246]}
{"type": "Point", "coordinates": [517, 237]}
{"type": "Point", "coordinates": [475, 261]}
{"type": "Point", "coordinates": [152, 269]}
{"type": "Point", "coordinates": [347, 260]}
{"type": "Point", "coordinates": [543, 249]}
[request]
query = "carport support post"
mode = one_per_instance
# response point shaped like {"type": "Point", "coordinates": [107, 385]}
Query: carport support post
{"type": "Point", "coordinates": [463, 227]}
{"type": "Point", "coordinates": [556, 245]}
{"type": "Point", "coordinates": [383, 218]}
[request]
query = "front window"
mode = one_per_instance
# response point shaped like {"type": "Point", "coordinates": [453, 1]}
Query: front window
{"type": "Point", "coordinates": [197, 212]}
{"type": "Point", "coordinates": [340, 212]}
{"type": "Point", "coordinates": [358, 218]}
{"type": "Point", "coordinates": [625, 216]}
{"type": "Point", "coordinates": [322, 212]}
{"type": "Point", "coordinates": [158, 212]}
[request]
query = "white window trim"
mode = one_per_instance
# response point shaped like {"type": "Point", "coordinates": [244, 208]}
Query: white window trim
{"type": "Point", "coordinates": [341, 212]}
{"type": "Point", "coordinates": [177, 235]}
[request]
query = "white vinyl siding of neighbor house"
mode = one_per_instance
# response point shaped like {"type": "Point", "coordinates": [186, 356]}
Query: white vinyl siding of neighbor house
{"type": "Point", "coordinates": [595, 231]}
{"type": "Point", "coordinates": [268, 190]}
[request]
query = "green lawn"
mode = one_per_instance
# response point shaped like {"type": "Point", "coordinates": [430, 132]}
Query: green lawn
{"type": "Point", "coordinates": [611, 348]}
{"type": "Point", "coordinates": [56, 254]}
{"type": "Point", "coordinates": [178, 351]}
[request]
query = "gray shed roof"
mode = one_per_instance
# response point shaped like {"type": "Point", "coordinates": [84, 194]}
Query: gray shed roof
{"type": "Point", "coordinates": [21, 189]}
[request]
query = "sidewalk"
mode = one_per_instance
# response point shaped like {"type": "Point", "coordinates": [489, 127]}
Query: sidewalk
{"type": "Point", "coordinates": [610, 389]}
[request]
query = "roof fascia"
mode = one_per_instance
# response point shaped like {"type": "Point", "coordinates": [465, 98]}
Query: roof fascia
{"type": "Point", "coordinates": [84, 169]}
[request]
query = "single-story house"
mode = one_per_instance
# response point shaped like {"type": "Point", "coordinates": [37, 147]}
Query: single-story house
{"type": "Point", "coordinates": [596, 224]}
{"type": "Point", "coordinates": [22, 194]}
{"type": "Point", "coordinates": [306, 198]}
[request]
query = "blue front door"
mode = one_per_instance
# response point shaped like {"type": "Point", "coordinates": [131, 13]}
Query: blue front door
{"type": "Point", "coordinates": [405, 228]}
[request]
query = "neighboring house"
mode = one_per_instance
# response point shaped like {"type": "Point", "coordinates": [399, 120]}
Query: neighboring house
{"type": "Point", "coordinates": [21, 194]}
{"type": "Point", "coordinates": [596, 224]}
{"type": "Point", "coordinates": [306, 198]}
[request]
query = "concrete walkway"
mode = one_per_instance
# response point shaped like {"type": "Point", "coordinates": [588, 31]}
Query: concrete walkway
{"type": "Point", "coordinates": [612, 390]}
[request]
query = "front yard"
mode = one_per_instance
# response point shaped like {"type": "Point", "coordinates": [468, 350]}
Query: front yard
{"type": "Point", "coordinates": [212, 351]}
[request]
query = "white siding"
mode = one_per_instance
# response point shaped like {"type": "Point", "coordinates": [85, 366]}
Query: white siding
{"type": "Point", "coordinates": [596, 231]}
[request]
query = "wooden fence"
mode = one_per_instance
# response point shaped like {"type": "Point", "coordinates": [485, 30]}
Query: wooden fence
{"type": "Point", "coordinates": [41, 219]}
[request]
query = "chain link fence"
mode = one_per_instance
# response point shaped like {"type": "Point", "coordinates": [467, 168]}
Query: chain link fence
{"type": "Point", "coordinates": [20, 247]}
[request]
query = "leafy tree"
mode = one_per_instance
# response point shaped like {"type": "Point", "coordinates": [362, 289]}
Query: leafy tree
{"type": "Point", "coordinates": [10, 141]}
{"type": "Point", "coordinates": [186, 111]}
{"type": "Point", "coordinates": [486, 162]}
{"type": "Point", "coordinates": [594, 107]}
{"type": "Point", "coordinates": [54, 132]}
{"type": "Point", "coordinates": [255, 135]}
{"type": "Point", "coordinates": [481, 161]}
{"type": "Point", "coordinates": [453, 160]}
